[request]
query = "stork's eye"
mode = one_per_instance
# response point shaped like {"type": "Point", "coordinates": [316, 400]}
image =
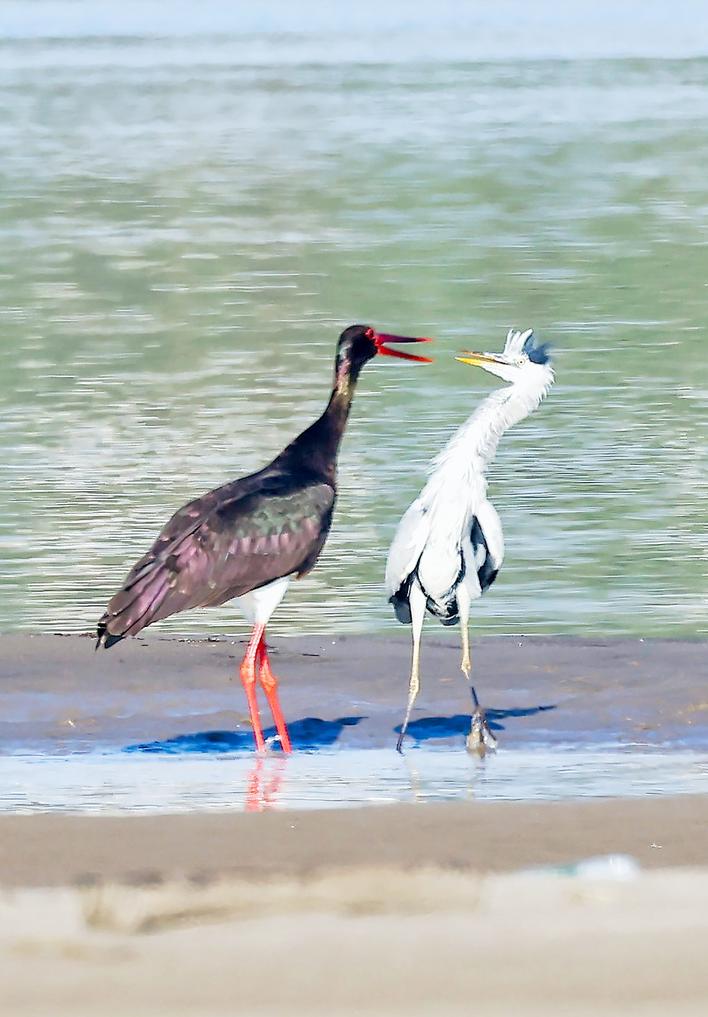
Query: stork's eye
{"type": "Point", "coordinates": [369, 333]}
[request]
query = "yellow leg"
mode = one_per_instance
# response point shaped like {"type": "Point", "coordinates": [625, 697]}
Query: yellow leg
{"type": "Point", "coordinates": [466, 665]}
{"type": "Point", "coordinates": [480, 737]}
{"type": "Point", "coordinates": [417, 605]}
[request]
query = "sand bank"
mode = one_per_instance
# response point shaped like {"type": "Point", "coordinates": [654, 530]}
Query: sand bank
{"type": "Point", "coordinates": [58, 850]}
{"type": "Point", "coordinates": [56, 694]}
{"type": "Point", "coordinates": [379, 910]}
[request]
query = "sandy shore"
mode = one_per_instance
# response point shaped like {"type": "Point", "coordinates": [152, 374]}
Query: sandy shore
{"type": "Point", "coordinates": [378, 910]}
{"type": "Point", "coordinates": [373, 942]}
{"type": "Point", "coordinates": [56, 850]}
{"type": "Point", "coordinates": [56, 693]}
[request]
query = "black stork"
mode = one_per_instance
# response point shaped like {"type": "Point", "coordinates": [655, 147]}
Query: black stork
{"type": "Point", "coordinates": [247, 539]}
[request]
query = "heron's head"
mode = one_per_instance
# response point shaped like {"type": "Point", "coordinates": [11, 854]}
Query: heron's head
{"type": "Point", "coordinates": [522, 357]}
{"type": "Point", "coordinates": [360, 343]}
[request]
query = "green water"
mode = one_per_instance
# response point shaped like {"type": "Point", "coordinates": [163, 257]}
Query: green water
{"type": "Point", "coordinates": [188, 220]}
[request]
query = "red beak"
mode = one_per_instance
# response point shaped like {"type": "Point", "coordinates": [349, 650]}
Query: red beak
{"type": "Point", "coordinates": [381, 338]}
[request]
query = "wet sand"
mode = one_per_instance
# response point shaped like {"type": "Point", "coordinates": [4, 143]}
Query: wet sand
{"type": "Point", "coordinates": [372, 910]}
{"type": "Point", "coordinates": [56, 694]}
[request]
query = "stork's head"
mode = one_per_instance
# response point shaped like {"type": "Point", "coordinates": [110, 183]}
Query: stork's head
{"type": "Point", "coordinates": [522, 357]}
{"type": "Point", "coordinates": [360, 343]}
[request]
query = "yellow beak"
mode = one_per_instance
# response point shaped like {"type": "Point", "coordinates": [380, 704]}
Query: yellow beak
{"type": "Point", "coordinates": [476, 359]}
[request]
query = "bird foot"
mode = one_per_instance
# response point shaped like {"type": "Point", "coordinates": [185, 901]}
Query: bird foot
{"type": "Point", "coordinates": [480, 740]}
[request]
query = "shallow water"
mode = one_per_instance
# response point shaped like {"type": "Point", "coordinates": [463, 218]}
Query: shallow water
{"type": "Point", "coordinates": [114, 782]}
{"type": "Point", "coordinates": [189, 212]}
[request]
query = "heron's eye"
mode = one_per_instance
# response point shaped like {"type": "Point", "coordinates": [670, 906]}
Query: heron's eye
{"type": "Point", "coordinates": [369, 333]}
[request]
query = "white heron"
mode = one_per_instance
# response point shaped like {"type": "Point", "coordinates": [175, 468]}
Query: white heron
{"type": "Point", "coordinates": [449, 545]}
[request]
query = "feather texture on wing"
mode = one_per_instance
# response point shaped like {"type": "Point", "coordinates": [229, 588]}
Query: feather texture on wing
{"type": "Point", "coordinates": [407, 546]}
{"type": "Point", "coordinates": [234, 539]}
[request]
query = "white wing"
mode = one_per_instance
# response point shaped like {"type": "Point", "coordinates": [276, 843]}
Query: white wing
{"type": "Point", "coordinates": [407, 545]}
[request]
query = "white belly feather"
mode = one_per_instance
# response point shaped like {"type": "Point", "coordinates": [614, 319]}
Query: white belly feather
{"type": "Point", "coordinates": [258, 605]}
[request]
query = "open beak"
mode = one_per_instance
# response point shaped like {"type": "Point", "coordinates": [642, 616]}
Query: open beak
{"type": "Point", "coordinates": [479, 359]}
{"type": "Point", "coordinates": [381, 338]}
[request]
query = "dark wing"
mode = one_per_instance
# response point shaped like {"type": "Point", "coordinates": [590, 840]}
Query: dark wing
{"type": "Point", "coordinates": [487, 542]}
{"type": "Point", "coordinates": [223, 545]}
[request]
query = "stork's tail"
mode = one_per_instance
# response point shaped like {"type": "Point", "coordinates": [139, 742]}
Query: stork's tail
{"type": "Point", "coordinates": [136, 605]}
{"type": "Point", "coordinates": [104, 637]}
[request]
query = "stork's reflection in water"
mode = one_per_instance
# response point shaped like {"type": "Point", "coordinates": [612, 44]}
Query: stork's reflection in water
{"type": "Point", "coordinates": [264, 783]}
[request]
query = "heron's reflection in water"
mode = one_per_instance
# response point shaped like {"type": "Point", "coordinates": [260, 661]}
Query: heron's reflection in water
{"type": "Point", "coordinates": [422, 790]}
{"type": "Point", "coordinates": [264, 783]}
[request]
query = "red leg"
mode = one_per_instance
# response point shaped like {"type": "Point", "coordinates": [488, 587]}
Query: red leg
{"type": "Point", "coordinates": [270, 687]}
{"type": "Point", "coordinates": [248, 678]}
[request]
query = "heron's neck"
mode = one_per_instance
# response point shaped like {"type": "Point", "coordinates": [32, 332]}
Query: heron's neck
{"type": "Point", "coordinates": [473, 447]}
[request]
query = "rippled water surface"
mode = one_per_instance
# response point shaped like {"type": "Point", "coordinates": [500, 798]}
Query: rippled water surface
{"type": "Point", "coordinates": [115, 782]}
{"type": "Point", "coordinates": [190, 212]}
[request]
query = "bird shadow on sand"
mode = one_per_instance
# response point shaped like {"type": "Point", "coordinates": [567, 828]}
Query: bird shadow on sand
{"type": "Point", "coordinates": [307, 733]}
{"type": "Point", "coordinates": [426, 728]}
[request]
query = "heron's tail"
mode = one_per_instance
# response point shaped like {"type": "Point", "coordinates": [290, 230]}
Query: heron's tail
{"type": "Point", "coordinates": [400, 601]}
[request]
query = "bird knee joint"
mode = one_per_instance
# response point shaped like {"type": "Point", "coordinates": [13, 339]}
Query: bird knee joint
{"type": "Point", "coordinates": [268, 681]}
{"type": "Point", "coordinates": [248, 676]}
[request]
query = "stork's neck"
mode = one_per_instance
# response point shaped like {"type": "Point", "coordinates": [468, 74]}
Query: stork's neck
{"type": "Point", "coordinates": [317, 447]}
{"type": "Point", "coordinates": [473, 447]}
